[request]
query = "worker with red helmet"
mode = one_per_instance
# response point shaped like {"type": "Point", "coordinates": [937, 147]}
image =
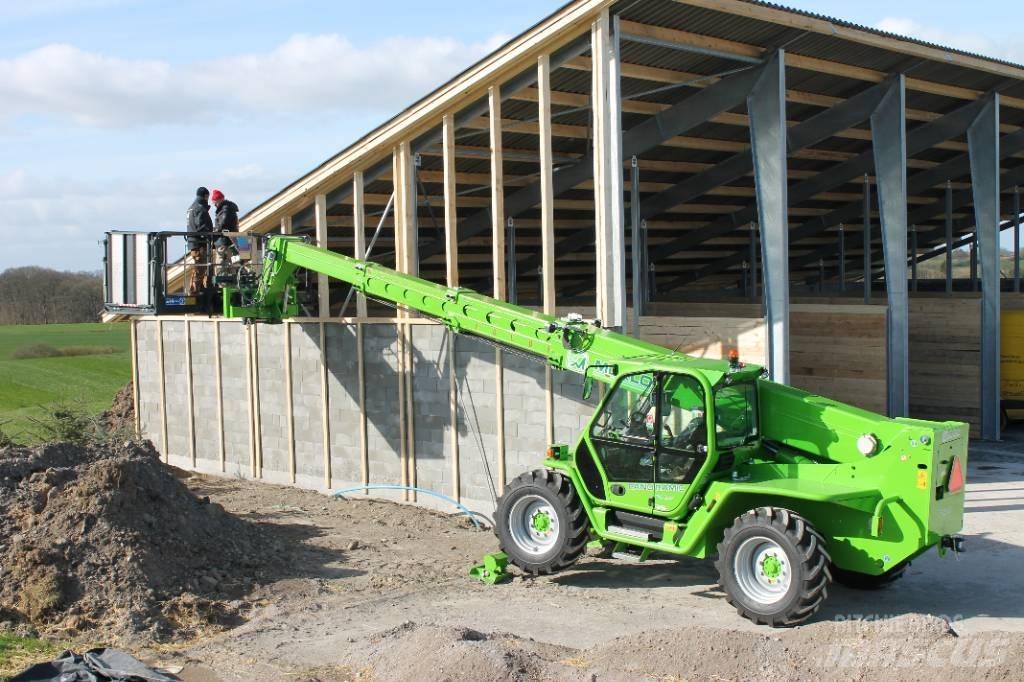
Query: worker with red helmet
{"type": "Point", "coordinates": [225, 222]}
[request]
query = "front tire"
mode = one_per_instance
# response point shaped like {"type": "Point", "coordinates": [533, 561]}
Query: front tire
{"type": "Point", "coordinates": [773, 566]}
{"type": "Point", "coordinates": [540, 522]}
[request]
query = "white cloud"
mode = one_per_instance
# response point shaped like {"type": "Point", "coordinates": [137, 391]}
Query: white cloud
{"type": "Point", "coordinates": [307, 73]}
{"type": "Point", "coordinates": [1007, 47]}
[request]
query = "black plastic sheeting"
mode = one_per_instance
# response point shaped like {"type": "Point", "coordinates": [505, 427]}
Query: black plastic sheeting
{"type": "Point", "coordinates": [96, 665]}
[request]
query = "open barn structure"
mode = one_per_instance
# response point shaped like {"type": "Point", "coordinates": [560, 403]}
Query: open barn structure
{"type": "Point", "coordinates": [707, 174]}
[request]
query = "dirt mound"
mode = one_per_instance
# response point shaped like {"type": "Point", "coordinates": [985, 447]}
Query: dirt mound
{"type": "Point", "coordinates": [110, 539]}
{"type": "Point", "coordinates": [906, 648]}
{"type": "Point", "coordinates": [120, 418]}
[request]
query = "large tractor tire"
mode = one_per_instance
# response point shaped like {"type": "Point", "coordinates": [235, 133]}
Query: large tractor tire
{"type": "Point", "coordinates": [540, 523]}
{"type": "Point", "coordinates": [863, 581]}
{"type": "Point", "coordinates": [773, 567]}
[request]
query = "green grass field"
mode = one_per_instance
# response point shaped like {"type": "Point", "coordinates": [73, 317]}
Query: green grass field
{"type": "Point", "coordinates": [28, 387]}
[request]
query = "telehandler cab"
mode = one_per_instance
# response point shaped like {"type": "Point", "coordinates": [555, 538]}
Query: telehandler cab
{"type": "Point", "coordinates": [683, 456]}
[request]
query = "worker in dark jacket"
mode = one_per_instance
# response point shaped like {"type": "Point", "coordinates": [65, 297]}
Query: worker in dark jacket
{"type": "Point", "coordinates": [197, 221]}
{"type": "Point", "coordinates": [227, 221]}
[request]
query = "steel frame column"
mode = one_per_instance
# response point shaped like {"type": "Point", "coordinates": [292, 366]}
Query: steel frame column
{"type": "Point", "coordinates": [889, 142]}
{"type": "Point", "coordinates": [983, 143]}
{"type": "Point", "coordinates": [949, 238]}
{"type": "Point", "coordinates": [766, 105]}
{"type": "Point", "coordinates": [867, 240]}
{"type": "Point", "coordinates": [753, 261]}
{"type": "Point", "coordinates": [1016, 240]}
{"type": "Point", "coordinates": [913, 258]}
{"type": "Point", "coordinates": [842, 259]}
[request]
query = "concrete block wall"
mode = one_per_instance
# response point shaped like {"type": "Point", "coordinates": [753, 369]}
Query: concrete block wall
{"type": "Point", "coordinates": [273, 403]}
{"type": "Point", "coordinates": [476, 430]}
{"type": "Point", "coordinates": [204, 397]}
{"type": "Point", "coordinates": [343, 405]}
{"type": "Point", "coordinates": [234, 372]}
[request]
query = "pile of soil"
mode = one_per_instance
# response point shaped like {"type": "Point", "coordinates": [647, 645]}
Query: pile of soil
{"type": "Point", "coordinates": [910, 647]}
{"type": "Point", "coordinates": [110, 539]}
{"type": "Point", "coordinates": [120, 418]}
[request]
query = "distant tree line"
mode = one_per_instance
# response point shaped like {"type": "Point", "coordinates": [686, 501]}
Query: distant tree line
{"type": "Point", "coordinates": [34, 295]}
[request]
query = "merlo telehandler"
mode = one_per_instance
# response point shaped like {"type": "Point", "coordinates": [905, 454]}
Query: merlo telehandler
{"type": "Point", "coordinates": [787, 491]}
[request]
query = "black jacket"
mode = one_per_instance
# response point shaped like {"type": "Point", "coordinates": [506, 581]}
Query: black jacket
{"type": "Point", "coordinates": [227, 217]}
{"type": "Point", "coordinates": [197, 219]}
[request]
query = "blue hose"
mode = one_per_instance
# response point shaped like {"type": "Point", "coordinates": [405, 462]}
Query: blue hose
{"type": "Point", "coordinates": [384, 486]}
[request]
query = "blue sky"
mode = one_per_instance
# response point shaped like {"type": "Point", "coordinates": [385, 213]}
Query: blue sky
{"type": "Point", "coordinates": [114, 110]}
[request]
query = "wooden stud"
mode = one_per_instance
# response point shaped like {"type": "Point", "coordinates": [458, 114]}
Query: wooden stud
{"type": "Point", "coordinates": [364, 451]}
{"type": "Point", "coordinates": [286, 225]}
{"type": "Point", "coordinates": [163, 390]}
{"type": "Point", "coordinates": [451, 235]}
{"type": "Point", "coordinates": [257, 409]}
{"type": "Point", "coordinates": [219, 380]}
{"type": "Point", "coordinates": [451, 216]}
{"type": "Point", "coordinates": [190, 392]}
{"type": "Point", "coordinates": [251, 390]}
{"type": "Point", "coordinates": [325, 406]}
{"type": "Point", "coordinates": [547, 218]}
{"type": "Point", "coordinates": [359, 230]}
{"type": "Point", "coordinates": [135, 378]}
{"type": "Point", "coordinates": [498, 256]}
{"type": "Point", "coordinates": [322, 281]}
{"type": "Point", "coordinates": [289, 393]}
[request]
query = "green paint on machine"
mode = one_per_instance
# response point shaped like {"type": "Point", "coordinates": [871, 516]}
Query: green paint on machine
{"type": "Point", "coordinates": [686, 456]}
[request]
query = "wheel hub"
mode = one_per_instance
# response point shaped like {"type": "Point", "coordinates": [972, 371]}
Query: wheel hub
{"type": "Point", "coordinates": [762, 570]}
{"type": "Point", "coordinates": [533, 524]}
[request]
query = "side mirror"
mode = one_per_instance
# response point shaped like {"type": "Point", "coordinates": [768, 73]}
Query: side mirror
{"type": "Point", "coordinates": [588, 387]}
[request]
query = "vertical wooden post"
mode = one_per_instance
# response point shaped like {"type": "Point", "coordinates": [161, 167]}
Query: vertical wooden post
{"type": "Point", "coordinates": [251, 390]}
{"type": "Point", "coordinates": [323, 283]}
{"type": "Point", "coordinates": [364, 451]}
{"type": "Point", "coordinates": [598, 37]}
{"type": "Point", "coordinates": [286, 225]}
{"type": "Point", "coordinates": [289, 393]}
{"type": "Point", "coordinates": [406, 262]}
{"type": "Point", "coordinates": [359, 227]}
{"type": "Point", "coordinates": [547, 222]}
{"type": "Point", "coordinates": [135, 377]}
{"type": "Point", "coordinates": [498, 258]}
{"type": "Point", "coordinates": [451, 236]}
{"type": "Point", "coordinates": [163, 390]}
{"type": "Point", "coordinates": [190, 393]}
{"type": "Point", "coordinates": [256, 408]}
{"type": "Point", "coordinates": [219, 387]}
{"type": "Point", "coordinates": [325, 406]}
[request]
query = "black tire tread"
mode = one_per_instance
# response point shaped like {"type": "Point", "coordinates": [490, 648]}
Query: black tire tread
{"type": "Point", "coordinates": [816, 562]}
{"type": "Point", "coordinates": [579, 524]}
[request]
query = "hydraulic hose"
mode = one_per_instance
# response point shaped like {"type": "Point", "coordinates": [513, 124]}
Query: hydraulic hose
{"type": "Point", "coordinates": [386, 486]}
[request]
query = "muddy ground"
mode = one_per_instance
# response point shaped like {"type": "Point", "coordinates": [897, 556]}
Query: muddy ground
{"type": "Point", "coordinates": [378, 591]}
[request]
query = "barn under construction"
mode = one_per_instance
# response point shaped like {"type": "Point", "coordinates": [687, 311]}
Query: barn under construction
{"type": "Point", "coordinates": [705, 174]}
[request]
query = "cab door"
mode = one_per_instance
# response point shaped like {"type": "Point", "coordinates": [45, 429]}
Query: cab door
{"type": "Point", "coordinates": [682, 447]}
{"type": "Point", "coordinates": [624, 443]}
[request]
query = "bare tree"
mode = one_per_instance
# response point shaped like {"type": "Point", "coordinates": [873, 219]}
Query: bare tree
{"type": "Point", "coordinates": [33, 295]}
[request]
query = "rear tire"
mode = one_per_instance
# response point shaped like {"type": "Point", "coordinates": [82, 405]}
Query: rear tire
{"type": "Point", "coordinates": [540, 523]}
{"type": "Point", "coordinates": [773, 566]}
{"type": "Point", "coordinates": [863, 581]}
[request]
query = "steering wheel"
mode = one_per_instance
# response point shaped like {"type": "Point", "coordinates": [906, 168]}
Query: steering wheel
{"type": "Point", "coordinates": [683, 440]}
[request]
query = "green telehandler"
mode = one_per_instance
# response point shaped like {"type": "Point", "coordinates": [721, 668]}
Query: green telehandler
{"type": "Point", "coordinates": [787, 491]}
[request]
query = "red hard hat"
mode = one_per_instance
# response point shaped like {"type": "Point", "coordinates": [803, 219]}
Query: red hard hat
{"type": "Point", "coordinates": [216, 195]}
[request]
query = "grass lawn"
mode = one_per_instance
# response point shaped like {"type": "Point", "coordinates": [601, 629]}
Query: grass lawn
{"type": "Point", "coordinates": [18, 653]}
{"type": "Point", "coordinates": [29, 386]}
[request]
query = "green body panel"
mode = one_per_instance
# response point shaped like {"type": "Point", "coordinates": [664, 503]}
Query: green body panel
{"type": "Point", "coordinates": [875, 510]}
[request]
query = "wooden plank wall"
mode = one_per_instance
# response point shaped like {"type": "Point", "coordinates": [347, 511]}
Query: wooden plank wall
{"type": "Point", "coordinates": [839, 351]}
{"type": "Point", "coordinates": [708, 337]}
{"type": "Point", "coordinates": [945, 357]}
